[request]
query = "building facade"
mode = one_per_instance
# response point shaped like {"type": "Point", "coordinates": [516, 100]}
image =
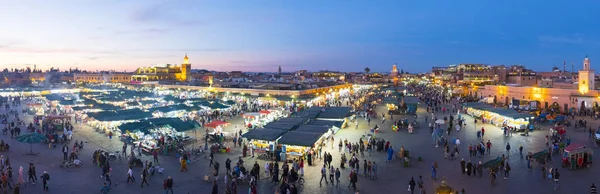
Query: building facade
{"type": "Point", "coordinates": [102, 77]}
{"type": "Point", "coordinates": [167, 72]}
{"type": "Point", "coordinates": [579, 96]}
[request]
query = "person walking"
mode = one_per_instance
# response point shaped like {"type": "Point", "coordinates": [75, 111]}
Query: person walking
{"type": "Point", "coordinates": [337, 175]}
{"type": "Point", "coordinates": [31, 173]}
{"type": "Point", "coordinates": [555, 176]}
{"type": "Point", "coordinates": [488, 147]}
{"type": "Point", "coordinates": [107, 179]}
{"type": "Point", "coordinates": [331, 174]}
{"type": "Point", "coordinates": [411, 185]}
{"type": "Point", "coordinates": [144, 175]}
{"type": "Point", "coordinates": [434, 171]}
{"type": "Point", "coordinates": [45, 180]}
{"type": "Point", "coordinates": [521, 150]}
{"type": "Point", "coordinates": [374, 169]}
{"type": "Point", "coordinates": [506, 171]}
{"type": "Point", "coordinates": [169, 185]}
{"type": "Point", "coordinates": [155, 156]}
{"type": "Point", "coordinates": [65, 151]}
{"type": "Point", "coordinates": [507, 149]}
{"type": "Point", "coordinates": [323, 176]}
{"type": "Point", "coordinates": [130, 175]}
{"type": "Point", "coordinates": [463, 166]}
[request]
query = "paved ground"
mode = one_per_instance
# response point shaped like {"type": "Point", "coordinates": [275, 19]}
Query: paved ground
{"type": "Point", "coordinates": [393, 177]}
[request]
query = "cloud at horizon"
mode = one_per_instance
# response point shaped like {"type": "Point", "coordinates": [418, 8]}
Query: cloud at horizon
{"type": "Point", "coordinates": [313, 35]}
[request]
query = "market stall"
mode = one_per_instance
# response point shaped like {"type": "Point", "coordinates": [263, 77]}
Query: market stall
{"type": "Point", "coordinates": [217, 126]}
{"type": "Point", "coordinates": [498, 116]}
{"type": "Point", "coordinates": [295, 144]}
{"type": "Point", "coordinates": [263, 139]}
{"type": "Point", "coordinates": [152, 130]}
{"type": "Point", "coordinates": [108, 121]}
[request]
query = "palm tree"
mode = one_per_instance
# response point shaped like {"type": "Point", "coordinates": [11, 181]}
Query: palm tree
{"type": "Point", "coordinates": [367, 70]}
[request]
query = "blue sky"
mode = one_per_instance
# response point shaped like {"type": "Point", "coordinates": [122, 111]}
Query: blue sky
{"type": "Point", "coordinates": [259, 35]}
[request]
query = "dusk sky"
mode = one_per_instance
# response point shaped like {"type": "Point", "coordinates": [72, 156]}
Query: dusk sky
{"type": "Point", "coordinates": [259, 35]}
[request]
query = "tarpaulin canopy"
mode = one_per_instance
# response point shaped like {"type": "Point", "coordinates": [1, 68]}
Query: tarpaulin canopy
{"type": "Point", "coordinates": [293, 120]}
{"type": "Point", "coordinates": [337, 124]}
{"type": "Point", "coordinates": [215, 124]}
{"type": "Point", "coordinates": [211, 105]}
{"type": "Point", "coordinates": [282, 126]}
{"type": "Point", "coordinates": [307, 114]}
{"type": "Point", "coordinates": [144, 125]}
{"type": "Point", "coordinates": [145, 102]}
{"type": "Point", "coordinates": [313, 129]}
{"type": "Point", "coordinates": [120, 115]}
{"type": "Point", "coordinates": [173, 99]}
{"type": "Point", "coordinates": [265, 134]}
{"type": "Point", "coordinates": [334, 113]}
{"type": "Point", "coordinates": [297, 138]}
{"type": "Point", "coordinates": [178, 107]}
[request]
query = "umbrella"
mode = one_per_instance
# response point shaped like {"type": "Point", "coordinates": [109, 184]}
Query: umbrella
{"type": "Point", "coordinates": [215, 124]}
{"type": "Point", "coordinates": [31, 138]}
{"type": "Point", "coordinates": [440, 121]}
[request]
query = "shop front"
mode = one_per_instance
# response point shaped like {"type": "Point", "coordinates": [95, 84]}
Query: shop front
{"type": "Point", "coordinates": [296, 145]}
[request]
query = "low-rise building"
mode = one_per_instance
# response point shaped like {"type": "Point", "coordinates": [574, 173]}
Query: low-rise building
{"type": "Point", "coordinates": [102, 77]}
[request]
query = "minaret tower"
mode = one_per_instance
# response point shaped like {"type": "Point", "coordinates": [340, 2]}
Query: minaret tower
{"type": "Point", "coordinates": [586, 77]}
{"type": "Point", "coordinates": [394, 72]}
{"type": "Point", "coordinates": [186, 69]}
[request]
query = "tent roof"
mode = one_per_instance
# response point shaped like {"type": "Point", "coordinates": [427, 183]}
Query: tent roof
{"type": "Point", "coordinates": [120, 115]}
{"type": "Point", "coordinates": [335, 112]}
{"type": "Point", "coordinates": [313, 129]}
{"type": "Point", "coordinates": [177, 107]}
{"type": "Point", "coordinates": [330, 124]}
{"type": "Point", "coordinates": [144, 125]}
{"type": "Point", "coordinates": [297, 138]}
{"type": "Point", "coordinates": [307, 114]}
{"type": "Point", "coordinates": [174, 99]}
{"type": "Point", "coordinates": [282, 126]}
{"type": "Point", "coordinates": [264, 134]}
{"type": "Point", "coordinates": [293, 120]}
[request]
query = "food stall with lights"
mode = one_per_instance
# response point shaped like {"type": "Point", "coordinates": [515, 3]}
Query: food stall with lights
{"type": "Point", "coordinates": [150, 131]}
{"type": "Point", "coordinates": [108, 121]}
{"type": "Point", "coordinates": [261, 118]}
{"type": "Point", "coordinates": [263, 139]}
{"type": "Point", "coordinates": [498, 116]}
{"type": "Point", "coordinates": [295, 144]}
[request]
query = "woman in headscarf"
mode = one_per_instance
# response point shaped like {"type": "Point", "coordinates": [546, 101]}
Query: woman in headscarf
{"type": "Point", "coordinates": [20, 179]}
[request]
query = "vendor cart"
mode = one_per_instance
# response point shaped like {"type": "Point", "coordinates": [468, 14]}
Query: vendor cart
{"type": "Point", "coordinates": [577, 156]}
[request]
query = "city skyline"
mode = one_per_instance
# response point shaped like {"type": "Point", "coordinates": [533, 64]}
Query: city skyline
{"type": "Point", "coordinates": [313, 35]}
